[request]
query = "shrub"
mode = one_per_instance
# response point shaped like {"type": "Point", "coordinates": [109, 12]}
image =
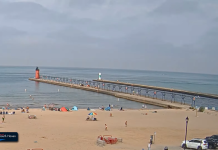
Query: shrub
{"type": "Point", "coordinates": [201, 109]}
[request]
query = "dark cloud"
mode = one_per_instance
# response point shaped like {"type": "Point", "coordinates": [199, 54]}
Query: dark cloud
{"type": "Point", "coordinates": [30, 11]}
{"type": "Point", "coordinates": [174, 7]}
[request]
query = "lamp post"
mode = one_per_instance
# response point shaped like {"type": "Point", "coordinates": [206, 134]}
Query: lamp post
{"type": "Point", "coordinates": [187, 119]}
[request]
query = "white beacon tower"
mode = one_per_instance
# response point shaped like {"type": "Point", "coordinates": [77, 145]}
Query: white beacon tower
{"type": "Point", "coordinates": [99, 76]}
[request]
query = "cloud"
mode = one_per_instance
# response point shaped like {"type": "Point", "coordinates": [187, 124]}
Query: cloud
{"type": "Point", "coordinates": [174, 7]}
{"type": "Point", "coordinates": [171, 35]}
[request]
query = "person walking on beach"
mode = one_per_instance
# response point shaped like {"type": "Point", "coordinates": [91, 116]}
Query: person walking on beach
{"type": "Point", "coordinates": [3, 118]}
{"type": "Point", "coordinates": [149, 146]}
{"type": "Point", "coordinates": [105, 127]}
{"type": "Point", "coordinates": [126, 123]}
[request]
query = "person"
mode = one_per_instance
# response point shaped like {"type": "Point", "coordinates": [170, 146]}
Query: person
{"type": "Point", "coordinates": [27, 109]}
{"type": "Point", "coordinates": [105, 127]}
{"type": "Point", "coordinates": [110, 114]}
{"type": "Point", "coordinates": [22, 111]}
{"type": "Point", "coordinates": [150, 140]}
{"type": "Point", "coordinates": [149, 146]}
{"type": "Point", "coordinates": [45, 106]}
{"type": "Point", "coordinates": [3, 118]}
{"type": "Point", "coordinates": [126, 123]}
{"type": "Point", "coordinates": [121, 109]}
{"type": "Point", "coordinates": [109, 105]}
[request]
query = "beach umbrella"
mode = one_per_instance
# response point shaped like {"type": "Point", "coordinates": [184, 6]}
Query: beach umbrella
{"type": "Point", "coordinates": [92, 113]}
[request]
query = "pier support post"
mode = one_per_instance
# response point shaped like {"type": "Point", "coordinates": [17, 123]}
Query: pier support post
{"type": "Point", "coordinates": [183, 99]}
{"type": "Point", "coordinates": [132, 89]}
{"type": "Point", "coordinates": [114, 87]}
{"type": "Point", "coordinates": [147, 93]}
{"type": "Point", "coordinates": [155, 94]}
{"type": "Point", "coordinates": [163, 95]}
{"type": "Point", "coordinates": [139, 91]}
{"type": "Point", "coordinates": [173, 97]}
{"type": "Point", "coordinates": [126, 89]}
{"type": "Point", "coordinates": [120, 88]}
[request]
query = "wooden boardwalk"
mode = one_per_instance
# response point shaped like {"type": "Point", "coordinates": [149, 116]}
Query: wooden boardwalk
{"type": "Point", "coordinates": [136, 98]}
{"type": "Point", "coordinates": [161, 88]}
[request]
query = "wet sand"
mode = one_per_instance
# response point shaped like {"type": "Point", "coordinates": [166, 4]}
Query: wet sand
{"type": "Point", "coordinates": [69, 130]}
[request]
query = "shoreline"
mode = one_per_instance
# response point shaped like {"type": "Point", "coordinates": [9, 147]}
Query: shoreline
{"type": "Point", "coordinates": [91, 109]}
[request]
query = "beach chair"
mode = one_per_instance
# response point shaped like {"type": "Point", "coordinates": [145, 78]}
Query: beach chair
{"type": "Point", "coordinates": [6, 113]}
{"type": "Point", "coordinates": [0, 112]}
{"type": "Point", "coordinates": [3, 112]}
{"type": "Point", "coordinates": [107, 141]}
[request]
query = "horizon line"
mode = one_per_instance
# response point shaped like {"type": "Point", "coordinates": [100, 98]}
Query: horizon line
{"type": "Point", "coordinates": [111, 69]}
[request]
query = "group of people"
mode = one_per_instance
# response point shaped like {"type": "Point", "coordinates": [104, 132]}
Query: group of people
{"type": "Point", "coordinates": [102, 107]}
{"type": "Point", "coordinates": [23, 110]}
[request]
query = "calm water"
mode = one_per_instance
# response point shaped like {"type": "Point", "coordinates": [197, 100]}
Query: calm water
{"type": "Point", "coordinates": [14, 81]}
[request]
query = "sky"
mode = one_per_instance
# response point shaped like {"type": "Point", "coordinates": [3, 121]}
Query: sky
{"type": "Point", "coordinates": [161, 35]}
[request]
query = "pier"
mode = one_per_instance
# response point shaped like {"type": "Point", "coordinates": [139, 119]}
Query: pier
{"type": "Point", "coordinates": [161, 89]}
{"type": "Point", "coordinates": [158, 96]}
{"type": "Point", "coordinates": [132, 97]}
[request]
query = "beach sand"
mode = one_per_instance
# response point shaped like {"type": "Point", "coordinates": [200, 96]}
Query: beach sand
{"type": "Point", "coordinates": [55, 130]}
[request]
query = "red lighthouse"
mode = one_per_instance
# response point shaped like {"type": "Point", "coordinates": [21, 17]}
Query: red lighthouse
{"type": "Point", "coordinates": [37, 73]}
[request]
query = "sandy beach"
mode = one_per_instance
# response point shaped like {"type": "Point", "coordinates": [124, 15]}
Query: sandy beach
{"type": "Point", "coordinates": [54, 130]}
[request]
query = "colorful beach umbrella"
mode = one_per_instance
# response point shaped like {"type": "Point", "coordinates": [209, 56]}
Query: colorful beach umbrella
{"type": "Point", "coordinates": [92, 113]}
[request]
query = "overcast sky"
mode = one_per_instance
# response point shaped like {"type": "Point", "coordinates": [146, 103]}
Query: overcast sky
{"type": "Point", "coordinates": [163, 35]}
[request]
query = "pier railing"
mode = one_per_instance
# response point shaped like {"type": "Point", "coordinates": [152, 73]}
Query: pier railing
{"type": "Point", "coordinates": [173, 97]}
